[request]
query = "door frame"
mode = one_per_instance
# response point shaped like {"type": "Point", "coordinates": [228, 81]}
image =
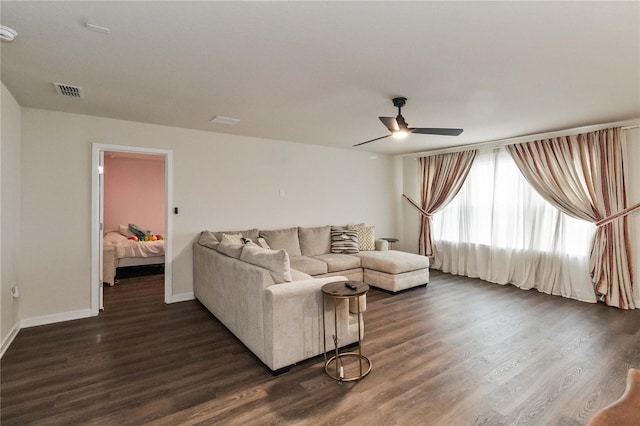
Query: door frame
{"type": "Point", "coordinates": [96, 231]}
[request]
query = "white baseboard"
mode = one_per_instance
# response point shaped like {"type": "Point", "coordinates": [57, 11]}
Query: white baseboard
{"type": "Point", "coordinates": [182, 297]}
{"type": "Point", "coordinates": [7, 341]}
{"type": "Point", "coordinates": [53, 318]}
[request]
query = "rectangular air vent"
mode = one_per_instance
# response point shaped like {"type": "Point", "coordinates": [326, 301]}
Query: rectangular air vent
{"type": "Point", "coordinates": [219, 119]}
{"type": "Point", "coordinates": [68, 90]}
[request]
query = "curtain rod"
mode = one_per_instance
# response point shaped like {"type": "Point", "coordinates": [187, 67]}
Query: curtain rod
{"type": "Point", "coordinates": [625, 125]}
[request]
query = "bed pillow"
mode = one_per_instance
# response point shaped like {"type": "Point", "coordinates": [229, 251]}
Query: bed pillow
{"type": "Point", "coordinates": [276, 261]}
{"type": "Point", "coordinates": [124, 231]}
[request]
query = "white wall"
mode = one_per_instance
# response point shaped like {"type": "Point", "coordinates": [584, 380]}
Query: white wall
{"type": "Point", "coordinates": [10, 136]}
{"type": "Point", "coordinates": [221, 182]}
{"type": "Point", "coordinates": [411, 217]}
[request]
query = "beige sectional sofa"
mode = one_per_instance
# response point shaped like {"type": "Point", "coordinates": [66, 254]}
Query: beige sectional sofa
{"type": "Point", "coordinates": [269, 297]}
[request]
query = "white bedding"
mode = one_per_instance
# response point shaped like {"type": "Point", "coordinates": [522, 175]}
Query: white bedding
{"type": "Point", "coordinates": [124, 247]}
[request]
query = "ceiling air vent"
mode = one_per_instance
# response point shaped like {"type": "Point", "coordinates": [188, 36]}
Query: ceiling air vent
{"type": "Point", "coordinates": [69, 91]}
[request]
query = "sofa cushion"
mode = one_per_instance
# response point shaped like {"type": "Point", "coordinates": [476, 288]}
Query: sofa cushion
{"type": "Point", "coordinates": [314, 241]}
{"type": "Point", "coordinates": [276, 261]}
{"type": "Point", "coordinates": [286, 239]}
{"type": "Point", "coordinates": [392, 261]}
{"type": "Point", "coordinates": [230, 249]}
{"type": "Point", "coordinates": [344, 241]}
{"type": "Point", "coordinates": [339, 262]}
{"type": "Point", "coordinates": [252, 234]}
{"type": "Point", "coordinates": [366, 236]}
{"type": "Point", "coordinates": [207, 239]}
{"type": "Point", "coordinates": [308, 265]}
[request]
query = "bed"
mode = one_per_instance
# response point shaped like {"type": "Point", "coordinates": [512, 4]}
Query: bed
{"type": "Point", "coordinates": [119, 251]}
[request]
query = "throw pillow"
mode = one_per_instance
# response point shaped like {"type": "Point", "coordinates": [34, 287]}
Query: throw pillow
{"type": "Point", "coordinates": [344, 241]}
{"type": "Point", "coordinates": [230, 249]}
{"type": "Point", "coordinates": [232, 238]}
{"type": "Point", "coordinates": [276, 261]}
{"type": "Point", "coordinates": [366, 236]}
{"type": "Point", "coordinates": [263, 243]}
{"type": "Point", "coordinates": [207, 239]}
{"type": "Point", "coordinates": [252, 234]}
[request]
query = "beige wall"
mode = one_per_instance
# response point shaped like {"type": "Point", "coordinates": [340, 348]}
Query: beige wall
{"type": "Point", "coordinates": [221, 182]}
{"type": "Point", "coordinates": [411, 187]}
{"type": "Point", "coordinates": [10, 136]}
{"type": "Point", "coordinates": [410, 215]}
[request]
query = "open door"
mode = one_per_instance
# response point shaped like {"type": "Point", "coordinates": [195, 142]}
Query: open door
{"type": "Point", "coordinates": [97, 222]}
{"type": "Point", "coordinates": [101, 233]}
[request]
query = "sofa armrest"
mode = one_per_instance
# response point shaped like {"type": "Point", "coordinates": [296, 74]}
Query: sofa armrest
{"type": "Point", "coordinates": [382, 245]}
{"type": "Point", "coordinates": [293, 321]}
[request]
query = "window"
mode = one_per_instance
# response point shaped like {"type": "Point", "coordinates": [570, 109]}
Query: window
{"type": "Point", "coordinates": [500, 229]}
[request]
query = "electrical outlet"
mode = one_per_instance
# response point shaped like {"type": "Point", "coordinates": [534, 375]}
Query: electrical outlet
{"type": "Point", "coordinates": [15, 293]}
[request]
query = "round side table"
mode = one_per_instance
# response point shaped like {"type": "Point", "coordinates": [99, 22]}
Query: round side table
{"type": "Point", "coordinates": [337, 291]}
{"type": "Point", "coordinates": [390, 241]}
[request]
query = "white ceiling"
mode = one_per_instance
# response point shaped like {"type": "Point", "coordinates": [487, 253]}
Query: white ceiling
{"type": "Point", "coordinates": [322, 72]}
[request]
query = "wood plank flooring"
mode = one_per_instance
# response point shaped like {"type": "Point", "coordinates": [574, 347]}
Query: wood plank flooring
{"type": "Point", "coordinates": [460, 352]}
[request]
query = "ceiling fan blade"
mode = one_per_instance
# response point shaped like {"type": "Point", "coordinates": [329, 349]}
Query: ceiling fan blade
{"type": "Point", "coordinates": [436, 131]}
{"type": "Point", "coordinates": [390, 123]}
{"type": "Point", "coordinates": [372, 140]}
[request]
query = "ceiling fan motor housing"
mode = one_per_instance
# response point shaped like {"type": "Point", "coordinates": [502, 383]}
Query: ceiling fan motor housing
{"type": "Point", "coordinates": [399, 102]}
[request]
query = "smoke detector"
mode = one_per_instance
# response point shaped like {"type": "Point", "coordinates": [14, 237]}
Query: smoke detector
{"type": "Point", "coordinates": [7, 34]}
{"type": "Point", "coordinates": [68, 90]}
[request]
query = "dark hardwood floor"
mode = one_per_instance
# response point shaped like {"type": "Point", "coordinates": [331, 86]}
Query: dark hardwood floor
{"type": "Point", "coordinates": [460, 352]}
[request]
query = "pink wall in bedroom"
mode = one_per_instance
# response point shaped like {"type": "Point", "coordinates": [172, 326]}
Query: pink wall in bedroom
{"type": "Point", "coordinates": [134, 192]}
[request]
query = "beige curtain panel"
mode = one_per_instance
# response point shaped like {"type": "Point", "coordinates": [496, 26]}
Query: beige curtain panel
{"type": "Point", "coordinates": [441, 177]}
{"type": "Point", "coordinates": [583, 175]}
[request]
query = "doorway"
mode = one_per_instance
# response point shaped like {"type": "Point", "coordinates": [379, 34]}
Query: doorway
{"type": "Point", "coordinates": [98, 219]}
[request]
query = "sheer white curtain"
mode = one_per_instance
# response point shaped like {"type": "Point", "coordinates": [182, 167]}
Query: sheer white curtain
{"type": "Point", "coordinates": [499, 229]}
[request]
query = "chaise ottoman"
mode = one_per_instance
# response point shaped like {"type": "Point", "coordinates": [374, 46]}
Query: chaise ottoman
{"type": "Point", "coordinates": [394, 270]}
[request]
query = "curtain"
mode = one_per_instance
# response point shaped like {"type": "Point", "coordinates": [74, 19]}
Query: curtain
{"type": "Point", "coordinates": [441, 177]}
{"type": "Point", "coordinates": [501, 230]}
{"type": "Point", "coordinates": [583, 175]}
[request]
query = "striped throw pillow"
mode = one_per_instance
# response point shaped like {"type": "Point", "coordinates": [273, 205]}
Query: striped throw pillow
{"type": "Point", "coordinates": [344, 241]}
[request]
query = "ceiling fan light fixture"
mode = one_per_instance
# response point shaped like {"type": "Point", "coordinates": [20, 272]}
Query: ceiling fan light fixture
{"type": "Point", "coordinates": [7, 33]}
{"type": "Point", "coordinates": [400, 134]}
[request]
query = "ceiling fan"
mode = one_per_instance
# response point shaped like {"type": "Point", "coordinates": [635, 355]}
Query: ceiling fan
{"type": "Point", "coordinates": [399, 128]}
